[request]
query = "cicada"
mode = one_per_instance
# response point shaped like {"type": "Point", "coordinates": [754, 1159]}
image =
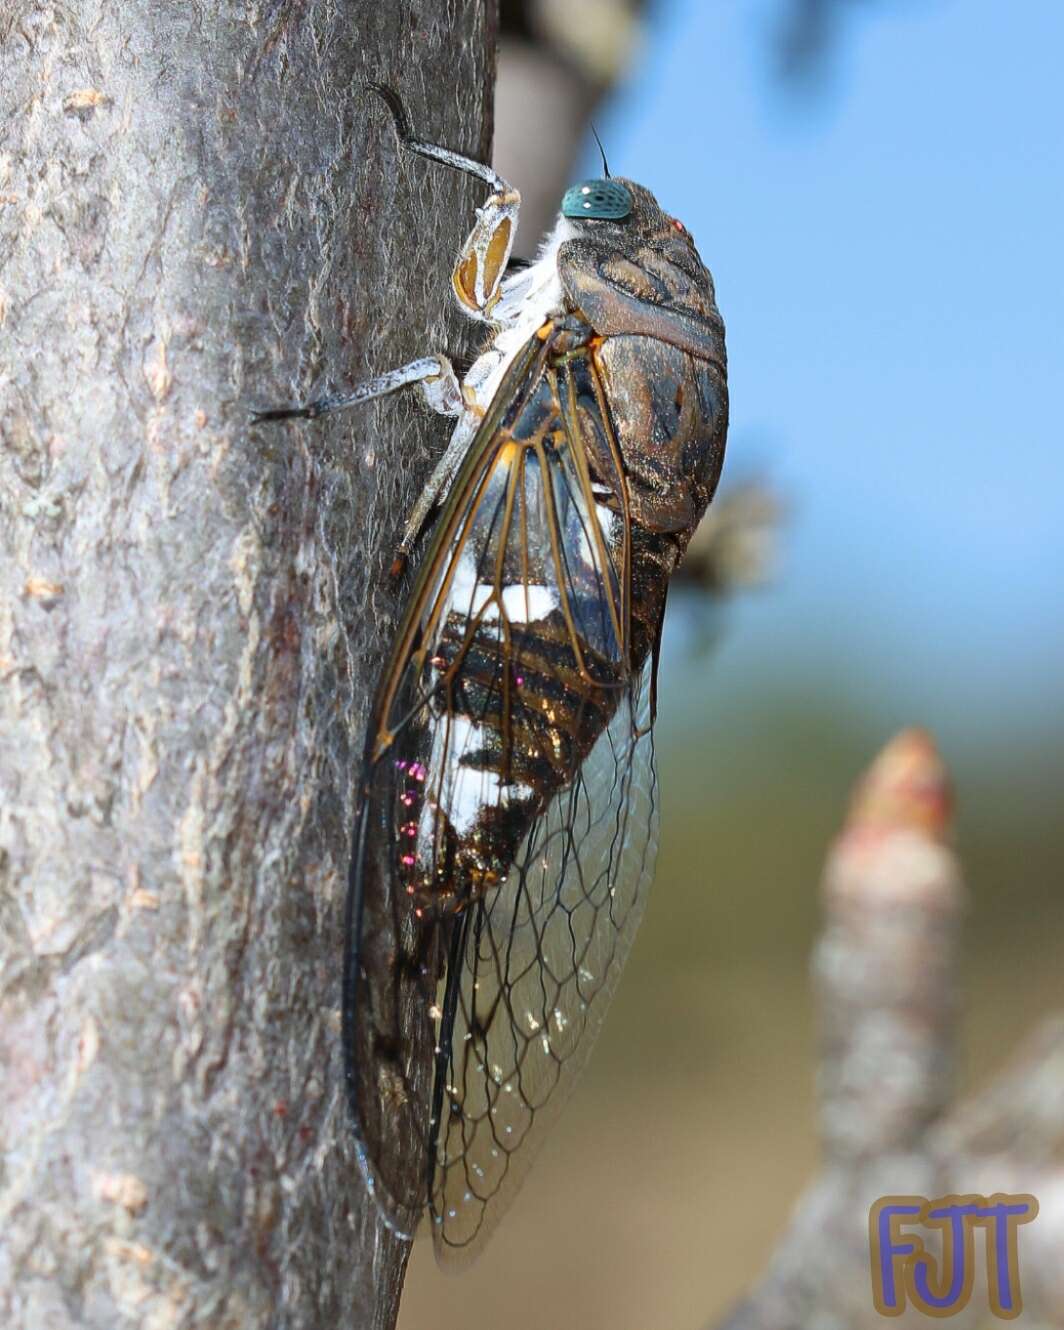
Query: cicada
{"type": "Point", "coordinates": [507, 809]}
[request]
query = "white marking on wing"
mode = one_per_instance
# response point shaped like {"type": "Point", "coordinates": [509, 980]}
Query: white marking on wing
{"type": "Point", "coordinates": [468, 596]}
{"type": "Point", "coordinates": [464, 789]}
{"type": "Point", "coordinates": [526, 604]}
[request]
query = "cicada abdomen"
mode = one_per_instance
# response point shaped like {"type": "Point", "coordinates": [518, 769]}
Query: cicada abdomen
{"type": "Point", "coordinates": [507, 821]}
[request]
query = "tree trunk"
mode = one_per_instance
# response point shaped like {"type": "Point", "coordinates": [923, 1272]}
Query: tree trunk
{"type": "Point", "coordinates": [200, 214]}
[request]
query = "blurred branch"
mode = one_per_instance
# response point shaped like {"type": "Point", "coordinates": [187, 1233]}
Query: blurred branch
{"type": "Point", "coordinates": [886, 970]}
{"type": "Point", "coordinates": [557, 61]}
{"type": "Point", "coordinates": [807, 32]}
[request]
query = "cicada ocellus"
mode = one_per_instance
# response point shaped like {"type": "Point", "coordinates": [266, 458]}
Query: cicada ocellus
{"type": "Point", "coordinates": [507, 814]}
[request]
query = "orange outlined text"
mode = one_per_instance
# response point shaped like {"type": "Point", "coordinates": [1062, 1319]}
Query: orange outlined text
{"type": "Point", "coordinates": [905, 1273]}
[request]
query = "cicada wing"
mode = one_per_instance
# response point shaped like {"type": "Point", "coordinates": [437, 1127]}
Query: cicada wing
{"type": "Point", "coordinates": [389, 981]}
{"type": "Point", "coordinates": [393, 956]}
{"type": "Point", "coordinates": [506, 832]}
{"type": "Point", "coordinates": [542, 957]}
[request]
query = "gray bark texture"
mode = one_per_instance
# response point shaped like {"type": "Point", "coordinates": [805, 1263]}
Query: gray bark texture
{"type": "Point", "coordinates": [201, 214]}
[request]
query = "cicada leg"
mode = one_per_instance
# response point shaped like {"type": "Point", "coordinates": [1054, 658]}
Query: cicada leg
{"type": "Point", "coordinates": [483, 258]}
{"type": "Point", "coordinates": [434, 375]}
{"type": "Point", "coordinates": [439, 385]}
{"type": "Point", "coordinates": [438, 482]}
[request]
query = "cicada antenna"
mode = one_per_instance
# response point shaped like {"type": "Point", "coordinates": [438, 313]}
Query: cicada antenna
{"type": "Point", "coordinates": [602, 153]}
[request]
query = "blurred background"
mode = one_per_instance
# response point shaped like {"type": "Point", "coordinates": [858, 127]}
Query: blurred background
{"type": "Point", "coordinates": [877, 188]}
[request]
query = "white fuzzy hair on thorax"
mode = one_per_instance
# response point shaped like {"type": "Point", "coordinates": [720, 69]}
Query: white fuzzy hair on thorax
{"type": "Point", "coordinates": [526, 301]}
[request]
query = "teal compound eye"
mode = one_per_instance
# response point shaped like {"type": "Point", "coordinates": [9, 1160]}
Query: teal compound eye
{"type": "Point", "coordinates": [601, 200]}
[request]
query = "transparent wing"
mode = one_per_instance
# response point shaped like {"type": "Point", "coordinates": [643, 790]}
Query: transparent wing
{"type": "Point", "coordinates": [506, 830]}
{"type": "Point", "coordinates": [540, 961]}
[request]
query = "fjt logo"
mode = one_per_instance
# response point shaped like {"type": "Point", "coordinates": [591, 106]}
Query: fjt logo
{"type": "Point", "coordinates": [903, 1271]}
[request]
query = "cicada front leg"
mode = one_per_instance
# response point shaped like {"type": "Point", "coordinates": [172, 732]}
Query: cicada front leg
{"type": "Point", "coordinates": [477, 277]}
{"type": "Point", "coordinates": [483, 258]}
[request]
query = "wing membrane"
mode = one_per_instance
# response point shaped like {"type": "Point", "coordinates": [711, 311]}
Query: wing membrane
{"type": "Point", "coordinates": [541, 960]}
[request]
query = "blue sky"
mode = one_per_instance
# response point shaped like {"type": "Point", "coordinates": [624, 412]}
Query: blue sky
{"type": "Point", "coordinates": [888, 259]}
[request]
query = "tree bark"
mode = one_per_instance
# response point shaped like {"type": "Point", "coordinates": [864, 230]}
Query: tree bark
{"type": "Point", "coordinates": [199, 214]}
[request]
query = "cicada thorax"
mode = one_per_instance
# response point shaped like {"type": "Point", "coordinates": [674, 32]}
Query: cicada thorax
{"type": "Point", "coordinates": [661, 358]}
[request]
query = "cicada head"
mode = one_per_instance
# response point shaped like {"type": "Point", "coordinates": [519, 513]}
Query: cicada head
{"type": "Point", "coordinates": [628, 267]}
{"type": "Point", "coordinates": [623, 215]}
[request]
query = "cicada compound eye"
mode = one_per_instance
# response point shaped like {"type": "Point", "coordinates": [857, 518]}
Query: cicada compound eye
{"type": "Point", "coordinates": [599, 200]}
